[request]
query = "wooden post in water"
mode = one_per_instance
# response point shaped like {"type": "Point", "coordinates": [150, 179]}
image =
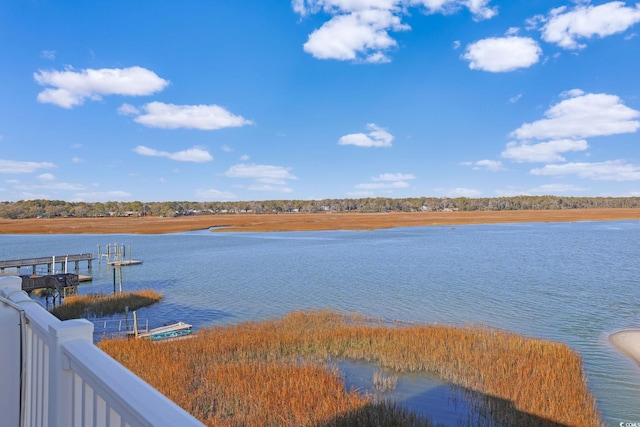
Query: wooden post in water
{"type": "Point", "coordinates": [135, 323]}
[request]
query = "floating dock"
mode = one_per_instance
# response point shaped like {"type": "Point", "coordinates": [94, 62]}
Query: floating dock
{"type": "Point", "coordinates": [176, 330]}
{"type": "Point", "coordinates": [138, 328]}
{"type": "Point", "coordinates": [124, 262]}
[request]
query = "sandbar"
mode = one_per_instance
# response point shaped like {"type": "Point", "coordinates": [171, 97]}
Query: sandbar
{"type": "Point", "coordinates": [628, 342]}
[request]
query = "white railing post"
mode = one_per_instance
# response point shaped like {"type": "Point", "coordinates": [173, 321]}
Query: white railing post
{"type": "Point", "coordinates": [61, 379]}
{"type": "Point", "coordinates": [11, 322]}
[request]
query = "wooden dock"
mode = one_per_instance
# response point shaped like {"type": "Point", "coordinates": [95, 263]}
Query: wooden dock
{"type": "Point", "coordinates": [62, 285]}
{"type": "Point", "coordinates": [48, 261]}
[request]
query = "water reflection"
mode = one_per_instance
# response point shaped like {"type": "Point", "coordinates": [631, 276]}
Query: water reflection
{"type": "Point", "coordinates": [438, 402]}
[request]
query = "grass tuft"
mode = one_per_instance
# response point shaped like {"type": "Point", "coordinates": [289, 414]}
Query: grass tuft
{"type": "Point", "coordinates": [97, 305]}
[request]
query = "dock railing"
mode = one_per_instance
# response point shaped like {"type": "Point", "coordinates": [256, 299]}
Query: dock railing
{"type": "Point", "coordinates": [53, 375]}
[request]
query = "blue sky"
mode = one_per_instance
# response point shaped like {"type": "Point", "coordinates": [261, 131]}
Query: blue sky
{"type": "Point", "coordinates": [309, 99]}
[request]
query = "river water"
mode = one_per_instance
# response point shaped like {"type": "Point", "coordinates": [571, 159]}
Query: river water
{"type": "Point", "coordinates": [570, 282]}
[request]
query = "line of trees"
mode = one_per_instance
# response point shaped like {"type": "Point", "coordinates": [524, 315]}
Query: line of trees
{"type": "Point", "coordinates": [57, 208]}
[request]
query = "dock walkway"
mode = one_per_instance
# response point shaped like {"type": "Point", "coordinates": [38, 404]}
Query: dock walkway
{"type": "Point", "coordinates": [49, 261]}
{"type": "Point", "coordinates": [65, 284]}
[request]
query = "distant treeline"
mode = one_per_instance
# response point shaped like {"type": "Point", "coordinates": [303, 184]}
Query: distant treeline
{"type": "Point", "coordinates": [57, 208]}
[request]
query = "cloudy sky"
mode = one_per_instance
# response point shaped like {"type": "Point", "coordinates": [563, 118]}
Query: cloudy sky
{"type": "Point", "coordinates": [309, 99]}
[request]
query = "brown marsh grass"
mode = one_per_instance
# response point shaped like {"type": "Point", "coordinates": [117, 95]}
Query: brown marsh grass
{"type": "Point", "coordinates": [98, 305]}
{"type": "Point", "coordinates": [302, 221]}
{"type": "Point", "coordinates": [278, 372]}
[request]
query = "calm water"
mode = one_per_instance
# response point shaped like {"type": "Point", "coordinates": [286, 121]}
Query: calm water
{"type": "Point", "coordinates": [568, 282]}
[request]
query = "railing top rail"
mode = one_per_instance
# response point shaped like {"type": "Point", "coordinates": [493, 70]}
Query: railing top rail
{"type": "Point", "coordinates": [130, 396]}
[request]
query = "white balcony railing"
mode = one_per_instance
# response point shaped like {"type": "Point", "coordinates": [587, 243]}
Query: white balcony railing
{"type": "Point", "coordinates": [52, 375]}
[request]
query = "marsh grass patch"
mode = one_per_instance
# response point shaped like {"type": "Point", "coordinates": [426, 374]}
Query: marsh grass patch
{"type": "Point", "coordinates": [282, 372]}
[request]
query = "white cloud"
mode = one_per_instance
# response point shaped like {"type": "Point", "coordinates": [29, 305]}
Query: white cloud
{"type": "Point", "coordinates": [479, 8]}
{"type": "Point", "coordinates": [359, 35]}
{"type": "Point", "coordinates": [70, 88]}
{"type": "Point", "coordinates": [266, 177]}
{"type": "Point", "coordinates": [305, 7]}
{"type": "Point", "coordinates": [14, 166]}
{"type": "Point", "coordinates": [47, 181]}
{"type": "Point", "coordinates": [545, 152]}
{"type": "Point", "coordinates": [461, 192]}
{"type": "Point", "coordinates": [203, 117]}
{"type": "Point", "coordinates": [104, 196]}
{"type": "Point", "coordinates": [387, 181]}
{"type": "Point", "coordinates": [501, 54]}
{"type": "Point", "coordinates": [265, 173]}
{"type": "Point", "coordinates": [582, 115]}
{"type": "Point", "coordinates": [382, 185]}
{"type": "Point", "coordinates": [359, 194]}
{"type": "Point", "coordinates": [565, 27]}
{"type": "Point", "coordinates": [50, 185]}
{"type": "Point", "coordinates": [213, 194]}
{"type": "Point", "coordinates": [557, 189]}
{"type": "Point", "coordinates": [490, 165]}
{"type": "Point", "coordinates": [393, 177]}
{"type": "Point", "coordinates": [194, 154]}
{"type": "Point", "coordinates": [515, 99]}
{"type": "Point", "coordinates": [358, 30]}
{"type": "Point", "coordinates": [377, 137]}
{"type": "Point", "coordinates": [512, 31]}
{"type": "Point", "coordinates": [46, 177]}
{"type": "Point", "coordinates": [76, 160]}
{"type": "Point", "coordinates": [612, 170]}
{"type": "Point", "coordinates": [128, 110]}
{"type": "Point", "coordinates": [269, 187]}
{"type": "Point", "coordinates": [48, 54]}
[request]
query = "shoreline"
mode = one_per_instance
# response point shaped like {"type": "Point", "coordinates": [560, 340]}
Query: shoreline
{"type": "Point", "coordinates": [251, 222]}
{"type": "Point", "coordinates": [627, 342]}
